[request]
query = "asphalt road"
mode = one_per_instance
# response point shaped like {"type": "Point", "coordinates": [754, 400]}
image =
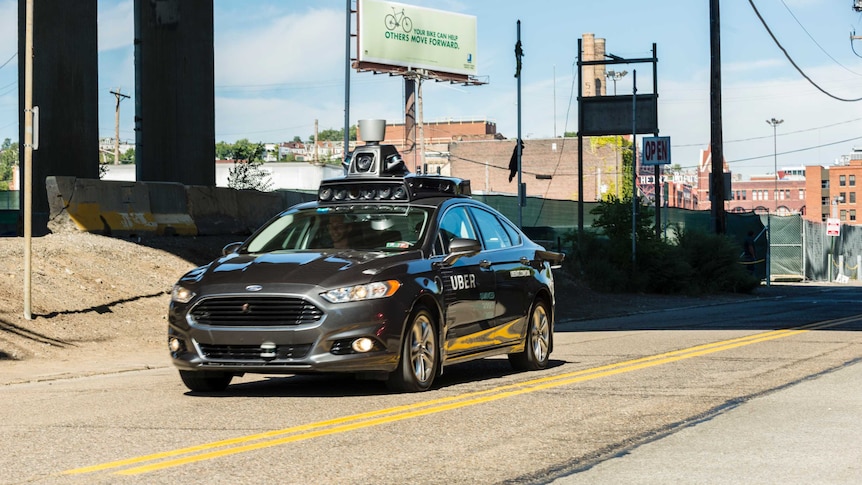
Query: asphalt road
{"type": "Point", "coordinates": [698, 395]}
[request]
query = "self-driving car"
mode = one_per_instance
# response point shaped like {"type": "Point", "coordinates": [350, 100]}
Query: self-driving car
{"type": "Point", "coordinates": [387, 275]}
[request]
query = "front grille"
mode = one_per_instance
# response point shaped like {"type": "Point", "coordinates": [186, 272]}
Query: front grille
{"type": "Point", "coordinates": [253, 352]}
{"type": "Point", "coordinates": [255, 311]}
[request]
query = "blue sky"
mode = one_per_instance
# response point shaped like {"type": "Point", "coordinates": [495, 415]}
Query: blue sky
{"type": "Point", "coordinates": [280, 66]}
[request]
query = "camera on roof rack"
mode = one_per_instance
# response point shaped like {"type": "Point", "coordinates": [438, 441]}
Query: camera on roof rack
{"type": "Point", "coordinates": [374, 159]}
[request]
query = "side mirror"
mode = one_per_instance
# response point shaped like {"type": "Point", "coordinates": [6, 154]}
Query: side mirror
{"type": "Point", "coordinates": [459, 248]}
{"type": "Point", "coordinates": [230, 248]}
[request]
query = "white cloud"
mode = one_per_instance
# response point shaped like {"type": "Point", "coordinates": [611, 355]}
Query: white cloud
{"type": "Point", "coordinates": [282, 49]}
{"type": "Point", "coordinates": [116, 25]}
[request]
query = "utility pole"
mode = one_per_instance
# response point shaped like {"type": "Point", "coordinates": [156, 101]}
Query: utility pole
{"type": "Point", "coordinates": [120, 96]}
{"type": "Point", "coordinates": [716, 147]}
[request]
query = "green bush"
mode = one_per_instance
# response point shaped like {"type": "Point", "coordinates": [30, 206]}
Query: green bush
{"type": "Point", "coordinates": [698, 263]}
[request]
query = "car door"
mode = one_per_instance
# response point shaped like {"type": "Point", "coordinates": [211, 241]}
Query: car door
{"type": "Point", "coordinates": [504, 253]}
{"type": "Point", "coordinates": [468, 288]}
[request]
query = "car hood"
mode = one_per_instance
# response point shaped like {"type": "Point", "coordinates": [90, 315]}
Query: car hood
{"type": "Point", "coordinates": [325, 269]}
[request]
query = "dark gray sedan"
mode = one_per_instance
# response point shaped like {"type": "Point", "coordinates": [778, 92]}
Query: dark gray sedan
{"type": "Point", "coordinates": [385, 277]}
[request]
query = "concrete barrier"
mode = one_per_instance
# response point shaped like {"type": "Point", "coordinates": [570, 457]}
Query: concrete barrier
{"type": "Point", "coordinates": [219, 210]}
{"type": "Point", "coordinates": [98, 206]}
{"type": "Point", "coordinates": [163, 208]}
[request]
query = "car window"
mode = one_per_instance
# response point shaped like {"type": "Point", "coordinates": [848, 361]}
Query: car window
{"type": "Point", "coordinates": [371, 228]}
{"type": "Point", "coordinates": [491, 230]}
{"type": "Point", "coordinates": [514, 235]}
{"type": "Point", "coordinates": [455, 223]}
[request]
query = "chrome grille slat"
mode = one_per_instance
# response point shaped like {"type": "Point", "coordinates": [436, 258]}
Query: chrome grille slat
{"type": "Point", "coordinates": [255, 311]}
{"type": "Point", "coordinates": [252, 353]}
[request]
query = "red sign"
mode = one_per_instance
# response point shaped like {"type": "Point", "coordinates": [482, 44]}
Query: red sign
{"type": "Point", "coordinates": [833, 227]}
{"type": "Point", "coordinates": [656, 150]}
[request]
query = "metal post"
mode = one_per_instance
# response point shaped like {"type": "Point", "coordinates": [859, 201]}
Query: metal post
{"type": "Point", "coordinates": [634, 166]}
{"type": "Point", "coordinates": [520, 187]}
{"type": "Point", "coordinates": [774, 122]}
{"type": "Point", "coordinates": [347, 83]}
{"type": "Point", "coordinates": [28, 157]}
{"type": "Point", "coordinates": [768, 248]}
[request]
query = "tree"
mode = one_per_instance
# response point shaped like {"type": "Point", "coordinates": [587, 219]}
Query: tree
{"type": "Point", "coordinates": [334, 135]}
{"type": "Point", "coordinates": [128, 156]}
{"type": "Point", "coordinates": [223, 150]}
{"type": "Point", "coordinates": [8, 159]}
{"type": "Point", "coordinates": [247, 171]}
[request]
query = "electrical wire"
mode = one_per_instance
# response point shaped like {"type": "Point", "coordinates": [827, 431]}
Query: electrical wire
{"type": "Point", "coordinates": [815, 42]}
{"type": "Point", "coordinates": [793, 63]}
{"type": "Point", "coordinates": [8, 60]}
{"type": "Point", "coordinates": [689, 145]}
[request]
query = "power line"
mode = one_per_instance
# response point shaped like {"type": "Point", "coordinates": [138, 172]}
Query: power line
{"type": "Point", "coordinates": [815, 42]}
{"type": "Point", "coordinates": [770, 136]}
{"type": "Point", "coordinates": [8, 60]}
{"type": "Point", "coordinates": [793, 63]}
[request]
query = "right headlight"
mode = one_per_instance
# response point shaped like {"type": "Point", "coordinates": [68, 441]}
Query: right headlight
{"type": "Point", "coordinates": [370, 291]}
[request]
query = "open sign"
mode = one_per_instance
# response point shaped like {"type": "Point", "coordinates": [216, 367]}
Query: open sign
{"type": "Point", "coordinates": [656, 150]}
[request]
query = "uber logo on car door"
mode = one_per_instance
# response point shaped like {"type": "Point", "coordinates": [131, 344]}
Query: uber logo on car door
{"type": "Point", "coordinates": [463, 281]}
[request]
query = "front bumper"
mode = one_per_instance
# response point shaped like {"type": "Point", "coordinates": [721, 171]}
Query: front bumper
{"type": "Point", "coordinates": [322, 346]}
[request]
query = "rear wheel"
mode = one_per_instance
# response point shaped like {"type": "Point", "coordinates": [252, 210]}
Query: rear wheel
{"type": "Point", "coordinates": [537, 345]}
{"type": "Point", "coordinates": [418, 364]}
{"type": "Point", "coordinates": [205, 381]}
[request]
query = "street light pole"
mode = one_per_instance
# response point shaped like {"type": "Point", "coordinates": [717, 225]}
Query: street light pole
{"type": "Point", "coordinates": [616, 76]}
{"type": "Point", "coordinates": [774, 122]}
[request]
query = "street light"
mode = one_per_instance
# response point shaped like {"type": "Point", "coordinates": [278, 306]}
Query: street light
{"type": "Point", "coordinates": [616, 76]}
{"type": "Point", "coordinates": [774, 122]}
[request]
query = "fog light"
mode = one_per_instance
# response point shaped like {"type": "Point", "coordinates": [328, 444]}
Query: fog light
{"type": "Point", "coordinates": [363, 344]}
{"type": "Point", "coordinates": [175, 344]}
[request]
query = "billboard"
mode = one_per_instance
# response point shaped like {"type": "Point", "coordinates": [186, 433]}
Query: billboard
{"type": "Point", "coordinates": [408, 36]}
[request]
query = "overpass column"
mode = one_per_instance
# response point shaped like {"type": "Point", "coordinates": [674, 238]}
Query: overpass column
{"type": "Point", "coordinates": [174, 91]}
{"type": "Point", "coordinates": [65, 88]}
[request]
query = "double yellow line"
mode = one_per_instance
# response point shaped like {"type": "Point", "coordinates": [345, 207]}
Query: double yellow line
{"type": "Point", "coordinates": [208, 451]}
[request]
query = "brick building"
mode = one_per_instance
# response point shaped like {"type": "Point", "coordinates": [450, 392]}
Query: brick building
{"type": "Point", "coordinates": [549, 167]}
{"type": "Point", "coordinates": [781, 194]}
{"type": "Point", "coordinates": [832, 191]}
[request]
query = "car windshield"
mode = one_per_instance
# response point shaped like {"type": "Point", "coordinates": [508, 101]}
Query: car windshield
{"type": "Point", "coordinates": [370, 228]}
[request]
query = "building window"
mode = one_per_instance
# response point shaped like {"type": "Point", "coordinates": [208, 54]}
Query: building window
{"type": "Point", "coordinates": [853, 181]}
{"type": "Point", "coordinates": [824, 184]}
{"type": "Point", "coordinates": [743, 194]}
{"type": "Point", "coordinates": [842, 180]}
{"type": "Point", "coordinates": [843, 215]}
{"type": "Point", "coordinates": [852, 214]}
{"type": "Point", "coordinates": [842, 197]}
{"type": "Point", "coordinates": [823, 218]}
{"type": "Point", "coordinates": [852, 197]}
{"type": "Point", "coordinates": [824, 201]}
{"type": "Point", "coordinates": [801, 194]}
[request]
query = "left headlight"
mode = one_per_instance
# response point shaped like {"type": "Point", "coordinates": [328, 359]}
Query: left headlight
{"type": "Point", "coordinates": [182, 294]}
{"type": "Point", "coordinates": [370, 291]}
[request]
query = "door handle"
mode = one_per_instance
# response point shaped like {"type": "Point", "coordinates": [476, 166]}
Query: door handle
{"type": "Point", "coordinates": [484, 264]}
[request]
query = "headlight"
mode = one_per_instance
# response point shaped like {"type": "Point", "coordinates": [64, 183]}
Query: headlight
{"type": "Point", "coordinates": [182, 295]}
{"type": "Point", "coordinates": [371, 291]}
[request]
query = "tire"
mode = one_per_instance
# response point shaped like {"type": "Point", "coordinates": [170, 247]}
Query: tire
{"type": "Point", "coordinates": [537, 341]}
{"type": "Point", "coordinates": [205, 381]}
{"type": "Point", "coordinates": [418, 364]}
{"type": "Point", "coordinates": [406, 25]}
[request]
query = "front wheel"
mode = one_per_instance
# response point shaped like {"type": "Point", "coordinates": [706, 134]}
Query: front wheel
{"type": "Point", "coordinates": [205, 381]}
{"type": "Point", "coordinates": [537, 345]}
{"type": "Point", "coordinates": [418, 364]}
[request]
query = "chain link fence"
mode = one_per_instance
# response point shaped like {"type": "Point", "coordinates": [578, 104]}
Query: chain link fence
{"type": "Point", "coordinates": [832, 258]}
